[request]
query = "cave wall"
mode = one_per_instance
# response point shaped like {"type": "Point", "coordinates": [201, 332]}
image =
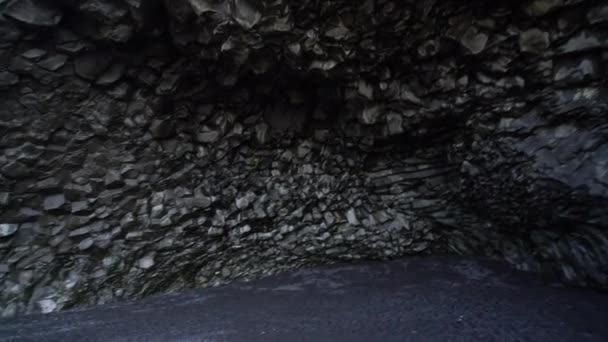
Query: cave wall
{"type": "Point", "coordinates": [151, 146]}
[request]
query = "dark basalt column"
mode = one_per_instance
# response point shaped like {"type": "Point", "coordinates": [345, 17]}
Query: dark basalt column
{"type": "Point", "coordinates": [150, 146]}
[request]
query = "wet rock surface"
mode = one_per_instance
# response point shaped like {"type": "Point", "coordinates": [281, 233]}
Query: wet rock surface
{"type": "Point", "coordinates": [416, 299]}
{"type": "Point", "coordinates": [150, 146]}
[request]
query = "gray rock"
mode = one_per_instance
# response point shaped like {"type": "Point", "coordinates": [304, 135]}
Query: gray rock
{"type": "Point", "coordinates": [80, 207]}
{"type": "Point", "coordinates": [146, 262]}
{"type": "Point", "coordinates": [128, 220]}
{"type": "Point", "coordinates": [50, 184]}
{"type": "Point", "coordinates": [242, 202]}
{"type": "Point", "coordinates": [54, 62]}
{"type": "Point", "coordinates": [219, 219]}
{"type": "Point", "coordinates": [47, 305]}
{"type": "Point", "coordinates": [90, 65]}
{"type": "Point", "coordinates": [429, 48]}
{"type": "Point", "coordinates": [113, 74]}
{"type": "Point", "coordinates": [201, 201]}
{"type": "Point", "coordinates": [157, 211]}
{"type": "Point", "coordinates": [162, 129]}
{"type": "Point", "coordinates": [113, 179]}
{"type": "Point", "coordinates": [203, 6]}
{"type": "Point", "coordinates": [262, 133]}
{"type": "Point", "coordinates": [474, 41]}
{"type": "Point", "coordinates": [85, 244]}
{"type": "Point", "coordinates": [246, 13]}
{"type": "Point", "coordinates": [108, 10]}
{"type": "Point", "coordinates": [168, 83]}
{"type": "Point", "coordinates": [351, 216]}
{"type": "Point", "coordinates": [81, 231]}
{"type": "Point", "coordinates": [33, 12]}
{"type": "Point", "coordinates": [244, 230]}
{"type": "Point", "coordinates": [574, 70]}
{"type": "Point", "coordinates": [215, 232]}
{"type": "Point", "coordinates": [208, 136]}
{"type": "Point", "coordinates": [394, 124]}
{"type": "Point", "coordinates": [365, 89]}
{"type": "Point", "coordinates": [54, 202]}
{"type": "Point", "coordinates": [420, 246]}
{"type": "Point", "coordinates": [4, 198]}
{"type": "Point", "coordinates": [598, 14]}
{"type": "Point", "coordinates": [541, 7]}
{"type": "Point", "coordinates": [369, 115]}
{"type": "Point", "coordinates": [585, 40]}
{"type": "Point", "coordinates": [34, 53]}
{"type": "Point", "coordinates": [8, 78]}
{"type": "Point", "coordinates": [8, 229]}
{"type": "Point", "coordinates": [534, 41]}
{"type": "Point", "coordinates": [74, 192]}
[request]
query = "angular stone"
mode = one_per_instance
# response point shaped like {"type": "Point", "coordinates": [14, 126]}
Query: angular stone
{"type": "Point", "coordinates": [34, 53]}
{"type": "Point", "coordinates": [534, 41]}
{"type": "Point", "coordinates": [80, 207]}
{"type": "Point", "coordinates": [215, 231]}
{"type": "Point", "coordinates": [246, 13]}
{"type": "Point", "coordinates": [54, 202]}
{"type": "Point", "coordinates": [369, 115]}
{"type": "Point", "coordinates": [127, 220]}
{"type": "Point", "coordinates": [162, 129]}
{"type": "Point", "coordinates": [420, 246]}
{"type": "Point", "coordinates": [244, 230]}
{"type": "Point", "coordinates": [537, 8]}
{"type": "Point", "coordinates": [473, 41]}
{"type": "Point", "coordinates": [202, 6]}
{"type": "Point", "coordinates": [113, 74]}
{"type": "Point", "coordinates": [109, 10]}
{"type": "Point", "coordinates": [91, 65]}
{"type": "Point", "coordinates": [74, 192]}
{"type": "Point", "coordinates": [47, 305]}
{"type": "Point", "coordinates": [429, 48]}
{"type": "Point", "coordinates": [8, 78]}
{"type": "Point", "coordinates": [26, 213]}
{"type": "Point", "coordinates": [8, 229]}
{"type": "Point", "coordinates": [598, 14]}
{"type": "Point", "coordinates": [157, 211]}
{"type": "Point", "coordinates": [120, 33]}
{"type": "Point", "coordinates": [585, 40]}
{"type": "Point", "coordinates": [113, 179]}
{"type": "Point", "coordinates": [351, 216]}
{"type": "Point", "coordinates": [85, 244]}
{"type": "Point", "coordinates": [34, 12]}
{"type": "Point", "coordinates": [146, 262]}
{"type": "Point", "coordinates": [50, 184]}
{"type": "Point", "coordinates": [201, 201]}
{"type": "Point", "coordinates": [242, 202]}
{"type": "Point", "coordinates": [568, 71]}
{"type": "Point", "coordinates": [208, 136]}
{"type": "Point", "coordinates": [262, 133]}
{"type": "Point", "coordinates": [394, 124]}
{"type": "Point", "coordinates": [81, 231]}
{"type": "Point", "coordinates": [219, 219]}
{"type": "Point", "coordinates": [4, 198]}
{"type": "Point", "coordinates": [168, 83]}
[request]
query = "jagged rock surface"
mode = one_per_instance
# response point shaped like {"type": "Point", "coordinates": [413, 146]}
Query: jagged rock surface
{"type": "Point", "coordinates": [148, 146]}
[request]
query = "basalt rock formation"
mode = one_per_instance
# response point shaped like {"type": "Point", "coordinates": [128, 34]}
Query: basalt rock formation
{"type": "Point", "coordinates": [148, 146]}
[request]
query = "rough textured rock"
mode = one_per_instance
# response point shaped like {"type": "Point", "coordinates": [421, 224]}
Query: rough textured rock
{"type": "Point", "coordinates": [147, 146]}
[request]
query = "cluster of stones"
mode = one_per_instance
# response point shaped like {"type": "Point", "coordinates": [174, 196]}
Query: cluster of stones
{"type": "Point", "coordinates": [150, 146]}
